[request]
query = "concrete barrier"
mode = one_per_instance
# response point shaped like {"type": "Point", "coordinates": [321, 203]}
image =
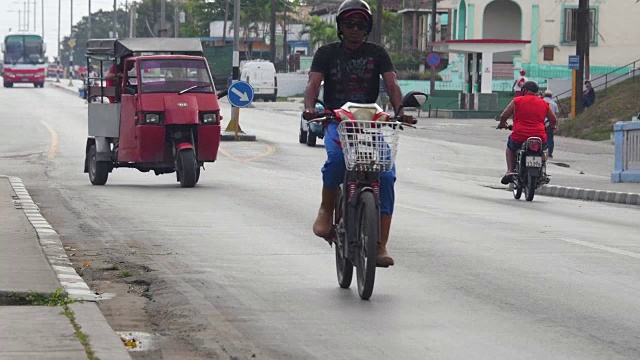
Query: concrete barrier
{"type": "Point", "coordinates": [627, 152]}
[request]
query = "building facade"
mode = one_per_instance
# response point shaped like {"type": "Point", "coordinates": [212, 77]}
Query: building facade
{"type": "Point", "coordinates": [550, 25]}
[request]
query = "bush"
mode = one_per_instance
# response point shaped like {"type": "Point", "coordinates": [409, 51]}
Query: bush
{"type": "Point", "coordinates": [416, 75]}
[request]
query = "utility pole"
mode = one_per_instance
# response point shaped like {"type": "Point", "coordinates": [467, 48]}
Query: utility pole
{"type": "Point", "coordinates": [88, 22]}
{"type": "Point", "coordinates": [587, 45]}
{"type": "Point", "coordinates": [272, 30]}
{"type": "Point", "coordinates": [226, 17]}
{"type": "Point", "coordinates": [377, 34]}
{"type": "Point", "coordinates": [59, 59]}
{"type": "Point", "coordinates": [434, 17]}
{"type": "Point", "coordinates": [115, 19]}
{"type": "Point", "coordinates": [42, 16]}
{"type": "Point", "coordinates": [581, 29]}
{"type": "Point", "coordinates": [236, 40]}
{"type": "Point", "coordinates": [71, 47]}
{"type": "Point", "coordinates": [163, 13]}
{"type": "Point", "coordinates": [176, 19]}
{"type": "Point", "coordinates": [27, 7]}
{"type": "Point", "coordinates": [132, 20]}
{"type": "Point", "coordinates": [34, 17]}
{"type": "Point", "coordinates": [285, 45]}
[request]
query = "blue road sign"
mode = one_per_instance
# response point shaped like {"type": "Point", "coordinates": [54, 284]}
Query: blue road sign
{"type": "Point", "coordinates": [574, 62]}
{"type": "Point", "coordinates": [240, 94]}
{"type": "Point", "coordinates": [433, 59]}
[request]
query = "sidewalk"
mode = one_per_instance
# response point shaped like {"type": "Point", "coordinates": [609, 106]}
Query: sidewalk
{"type": "Point", "coordinates": [35, 272]}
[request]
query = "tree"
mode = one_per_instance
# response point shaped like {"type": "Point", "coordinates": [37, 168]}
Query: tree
{"type": "Point", "coordinates": [320, 32]}
{"type": "Point", "coordinates": [101, 25]}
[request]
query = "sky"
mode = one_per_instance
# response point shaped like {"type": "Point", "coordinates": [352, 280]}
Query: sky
{"type": "Point", "coordinates": [9, 17]}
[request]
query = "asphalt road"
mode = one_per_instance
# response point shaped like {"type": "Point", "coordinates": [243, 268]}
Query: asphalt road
{"type": "Point", "coordinates": [478, 275]}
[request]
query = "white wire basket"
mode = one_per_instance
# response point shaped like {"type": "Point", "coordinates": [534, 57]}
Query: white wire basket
{"type": "Point", "coordinates": [369, 145]}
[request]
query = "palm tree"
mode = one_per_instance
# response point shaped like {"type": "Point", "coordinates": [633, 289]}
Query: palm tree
{"type": "Point", "coordinates": [320, 32]}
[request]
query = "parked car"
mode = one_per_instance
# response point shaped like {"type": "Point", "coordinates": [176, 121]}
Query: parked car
{"type": "Point", "coordinates": [261, 75]}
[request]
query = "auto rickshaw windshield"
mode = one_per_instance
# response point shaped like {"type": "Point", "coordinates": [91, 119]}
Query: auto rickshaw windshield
{"type": "Point", "coordinates": [174, 75]}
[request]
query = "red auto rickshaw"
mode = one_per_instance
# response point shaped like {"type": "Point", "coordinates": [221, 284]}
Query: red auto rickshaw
{"type": "Point", "coordinates": [162, 115]}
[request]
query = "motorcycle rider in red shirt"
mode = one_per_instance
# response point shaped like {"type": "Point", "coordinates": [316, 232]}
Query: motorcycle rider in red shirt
{"type": "Point", "coordinates": [529, 112]}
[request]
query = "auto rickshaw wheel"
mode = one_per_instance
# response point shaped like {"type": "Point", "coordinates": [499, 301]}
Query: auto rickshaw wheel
{"type": "Point", "coordinates": [98, 170]}
{"type": "Point", "coordinates": [188, 168]}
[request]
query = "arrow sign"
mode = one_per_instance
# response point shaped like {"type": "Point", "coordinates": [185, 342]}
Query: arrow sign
{"type": "Point", "coordinates": [243, 96]}
{"type": "Point", "coordinates": [240, 94]}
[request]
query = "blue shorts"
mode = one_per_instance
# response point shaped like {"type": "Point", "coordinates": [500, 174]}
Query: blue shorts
{"type": "Point", "coordinates": [515, 146]}
{"type": "Point", "coordinates": [334, 169]}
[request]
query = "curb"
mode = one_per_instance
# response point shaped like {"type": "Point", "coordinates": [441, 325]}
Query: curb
{"type": "Point", "coordinates": [589, 194]}
{"type": "Point", "coordinates": [71, 89]}
{"type": "Point", "coordinates": [49, 240]}
{"type": "Point", "coordinates": [231, 136]}
{"type": "Point", "coordinates": [103, 339]}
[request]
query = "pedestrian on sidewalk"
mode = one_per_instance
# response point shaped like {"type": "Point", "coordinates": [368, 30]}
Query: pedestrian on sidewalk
{"type": "Point", "coordinates": [516, 88]}
{"type": "Point", "coordinates": [548, 97]}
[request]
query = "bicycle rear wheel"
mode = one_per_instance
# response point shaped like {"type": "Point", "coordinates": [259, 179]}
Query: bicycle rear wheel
{"type": "Point", "coordinates": [367, 247]}
{"type": "Point", "coordinates": [344, 267]}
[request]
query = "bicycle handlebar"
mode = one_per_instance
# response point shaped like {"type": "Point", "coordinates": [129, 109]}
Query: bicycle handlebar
{"type": "Point", "coordinates": [329, 115]}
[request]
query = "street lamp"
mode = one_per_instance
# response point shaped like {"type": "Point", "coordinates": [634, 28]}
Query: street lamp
{"type": "Point", "coordinates": [19, 18]}
{"type": "Point", "coordinates": [25, 14]}
{"type": "Point", "coordinates": [58, 62]}
{"type": "Point", "coordinates": [71, 52]}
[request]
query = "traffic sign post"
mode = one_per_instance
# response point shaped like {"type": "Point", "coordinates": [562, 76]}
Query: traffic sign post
{"type": "Point", "coordinates": [433, 60]}
{"type": "Point", "coordinates": [574, 62]}
{"type": "Point", "coordinates": [72, 44]}
{"type": "Point", "coordinates": [240, 94]}
{"type": "Point", "coordinates": [574, 66]}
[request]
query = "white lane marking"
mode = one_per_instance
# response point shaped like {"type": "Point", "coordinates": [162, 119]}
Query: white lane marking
{"type": "Point", "coordinates": [601, 247]}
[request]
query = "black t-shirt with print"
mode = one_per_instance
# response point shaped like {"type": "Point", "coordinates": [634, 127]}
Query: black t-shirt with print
{"type": "Point", "coordinates": [351, 76]}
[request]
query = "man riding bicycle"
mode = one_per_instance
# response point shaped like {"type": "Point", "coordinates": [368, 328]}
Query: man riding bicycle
{"type": "Point", "coordinates": [351, 72]}
{"type": "Point", "coordinates": [529, 113]}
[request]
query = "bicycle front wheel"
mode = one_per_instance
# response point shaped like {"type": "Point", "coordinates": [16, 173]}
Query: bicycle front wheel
{"type": "Point", "coordinates": [344, 267]}
{"type": "Point", "coordinates": [367, 246]}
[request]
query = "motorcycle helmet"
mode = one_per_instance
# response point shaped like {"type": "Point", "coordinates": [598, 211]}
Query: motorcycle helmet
{"type": "Point", "coordinates": [531, 86]}
{"type": "Point", "coordinates": [349, 7]}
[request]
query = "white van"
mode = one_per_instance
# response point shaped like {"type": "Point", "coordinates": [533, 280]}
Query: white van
{"type": "Point", "coordinates": [262, 77]}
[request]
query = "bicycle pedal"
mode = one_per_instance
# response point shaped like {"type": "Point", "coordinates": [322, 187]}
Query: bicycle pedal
{"type": "Point", "coordinates": [381, 266]}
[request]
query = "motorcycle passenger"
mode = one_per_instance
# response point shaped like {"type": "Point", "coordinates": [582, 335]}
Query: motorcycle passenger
{"type": "Point", "coordinates": [351, 72]}
{"type": "Point", "coordinates": [529, 112]}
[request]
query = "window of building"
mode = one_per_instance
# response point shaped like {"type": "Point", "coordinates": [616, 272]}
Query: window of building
{"type": "Point", "coordinates": [444, 32]}
{"type": "Point", "coordinates": [571, 24]}
{"type": "Point", "coordinates": [548, 52]}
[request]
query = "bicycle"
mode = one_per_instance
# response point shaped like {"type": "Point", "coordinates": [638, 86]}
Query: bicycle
{"type": "Point", "coordinates": [369, 148]}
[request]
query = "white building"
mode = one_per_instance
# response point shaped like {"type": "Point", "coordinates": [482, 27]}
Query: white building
{"type": "Point", "coordinates": [550, 25]}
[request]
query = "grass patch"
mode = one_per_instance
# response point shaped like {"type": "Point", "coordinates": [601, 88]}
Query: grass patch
{"type": "Point", "coordinates": [111, 268]}
{"type": "Point", "coordinates": [125, 273]}
{"type": "Point", "coordinates": [619, 102]}
{"type": "Point", "coordinates": [82, 336]}
{"type": "Point", "coordinates": [58, 298]}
